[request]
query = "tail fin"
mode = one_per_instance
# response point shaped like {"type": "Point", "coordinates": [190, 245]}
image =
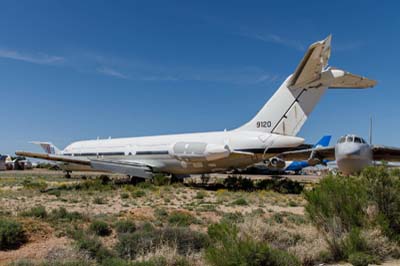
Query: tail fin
{"type": "Point", "coordinates": [288, 109]}
{"type": "Point", "coordinates": [48, 147]}
{"type": "Point", "coordinates": [323, 142]}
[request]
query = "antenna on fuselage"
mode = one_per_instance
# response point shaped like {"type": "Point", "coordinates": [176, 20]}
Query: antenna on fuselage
{"type": "Point", "coordinates": [370, 130]}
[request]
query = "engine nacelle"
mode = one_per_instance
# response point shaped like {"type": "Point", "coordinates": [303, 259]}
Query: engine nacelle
{"type": "Point", "coordinates": [198, 151]}
{"type": "Point", "coordinates": [313, 161]}
{"type": "Point", "coordinates": [276, 163]}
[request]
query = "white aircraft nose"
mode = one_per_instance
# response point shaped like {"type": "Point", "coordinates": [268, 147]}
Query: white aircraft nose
{"type": "Point", "coordinates": [350, 150]}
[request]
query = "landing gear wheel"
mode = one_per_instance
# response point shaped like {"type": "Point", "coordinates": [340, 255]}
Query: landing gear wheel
{"type": "Point", "coordinates": [136, 180]}
{"type": "Point", "coordinates": [176, 179]}
{"type": "Point", "coordinates": [67, 174]}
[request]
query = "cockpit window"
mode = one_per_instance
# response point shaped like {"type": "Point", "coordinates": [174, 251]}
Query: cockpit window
{"type": "Point", "coordinates": [349, 139]}
{"type": "Point", "coordinates": [342, 139]}
{"type": "Point", "coordinates": [357, 140]}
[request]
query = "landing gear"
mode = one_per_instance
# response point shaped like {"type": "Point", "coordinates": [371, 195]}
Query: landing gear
{"type": "Point", "coordinates": [136, 180]}
{"type": "Point", "coordinates": [67, 174]}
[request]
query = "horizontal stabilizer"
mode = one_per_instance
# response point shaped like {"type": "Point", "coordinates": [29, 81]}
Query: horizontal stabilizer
{"type": "Point", "coordinates": [343, 79]}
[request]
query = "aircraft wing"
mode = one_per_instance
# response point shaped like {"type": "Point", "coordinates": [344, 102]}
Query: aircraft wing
{"type": "Point", "coordinates": [383, 153]}
{"type": "Point", "coordinates": [128, 167]}
{"type": "Point", "coordinates": [322, 153]}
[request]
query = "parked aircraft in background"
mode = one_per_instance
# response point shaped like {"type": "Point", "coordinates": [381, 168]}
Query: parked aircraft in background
{"type": "Point", "coordinates": [351, 153]}
{"type": "Point", "coordinates": [276, 165]}
{"type": "Point", "coordinates": [272, 131]}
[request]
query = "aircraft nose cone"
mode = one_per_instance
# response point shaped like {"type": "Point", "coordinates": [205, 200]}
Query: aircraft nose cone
{"type": "Point", "coordinates": [351, 150]}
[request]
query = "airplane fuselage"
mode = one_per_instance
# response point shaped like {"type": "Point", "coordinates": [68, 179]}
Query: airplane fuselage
{"type": "Point", "coordinates": [192, 153]}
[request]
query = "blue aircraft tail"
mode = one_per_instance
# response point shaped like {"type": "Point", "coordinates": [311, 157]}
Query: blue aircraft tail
{"type": "Point", "coordinates": [323, 142]}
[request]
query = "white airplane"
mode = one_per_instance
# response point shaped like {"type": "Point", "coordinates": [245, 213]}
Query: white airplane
{"type": "Point", "coordinates": [272, 131]}
{"type": "Point", "coordinates": [352, 154]}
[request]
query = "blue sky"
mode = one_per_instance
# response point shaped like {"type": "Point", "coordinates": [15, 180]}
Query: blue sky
{"type": "Point", "coordinates": [72, 70]}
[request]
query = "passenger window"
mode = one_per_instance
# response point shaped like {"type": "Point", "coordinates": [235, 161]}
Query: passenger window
{"type": "Point", "coordinates": [357, 140]}
{"type": "Point", "coordinates": [349, 139]}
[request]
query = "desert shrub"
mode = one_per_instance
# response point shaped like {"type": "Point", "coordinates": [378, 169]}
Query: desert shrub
{"type": "Point", "coordinates": [29, 183]}
{"type": "Point", "coordinates": [62, 215]}
{"type": "Point", "coordinates": [383, 189]}
{"type": "Point", "coordinates": [100, 228]}
{"type": "Point", "coordinates": [67, 263]}
{"type": "Point", "coordinates": [343, 208]}
{"type": "Point", "coordinates": [281, 185]}
{"type": "Point", "coordinates": [138, 193]}
{"type": "Point", "coordinates": [38, 211]}
{"type": "Point", "coordinates": [201, 194]}
{"type": "Point", "coordinates": [161, 213]}
{"type": "Point", "coordinates": [233, 217]}
{"type": "Point", "coordinates": [92, 245]}
{"type": "Point", "coordinates": [361, 259]}
{"type": "Point", "coordinates": [12, 234]}
{"type": "Point", "coordinates": [161, 180]}
{"type": "Point", "coordinates": [238, 183]}
{"type": "Point", "coordinates": [337, 206]}
{"type": "Point", "coordinates": [100, 184]}
{"type": "Point", "coordinates": [54, 192]}
{"type": "Point", "coordinates": [125, 226]}
{"type": "Point", "coordinates": [22, 263]}
{"type": "Point", "coordinates": [228, 249]}
{"type": "Point", "coordinates": [124, 195]}
{"type": "Point", "coordinates": [99, 200]}
{"type": "Point", "coordinates": [240, 202]}
{"type": "Point", "coordinates": [145, 240]}
{"type": "Point", "coordinates": [180, 218]}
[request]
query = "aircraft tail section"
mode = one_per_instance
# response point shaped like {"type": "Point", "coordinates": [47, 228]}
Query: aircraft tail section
{"type": "Point", "coordinates": [323, 142]}
{"type": "Point", "coordinates": [48, 147]}
{"type": "Point", "coordinates": [288, 109]}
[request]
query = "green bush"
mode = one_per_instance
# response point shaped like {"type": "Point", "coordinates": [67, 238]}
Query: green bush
{"type": "Point", "coordinates": [161, 180]}
{"type": "Point", "coordinates": [361, 259]}
{"type": "Point", "coordinates": [180, 218]}
{"type": "Point", "coordinates": [54, 192]}
{"type": "Point", "coordinates": [138, 193]}
{"type": "Point", "coordinates": [12, 234]}
{"type": "Point", "coordinates": [227, 249]}
{"type": "Point", "coordinates": [240, 201]}
{"type": "Point", "coordinates": [336, 206]}
{"type": "Point", "coordinates": [125, 226]}
{"type": "Point", "coordinates": [99, 200]}
{"type": "Point", "coordinates": [62, 215]}
{"type": "Point", "coordinates": [147, 239]}
{"type": "Point", "coordinates": [124, 195]}
{"type": "Point", "coordinates": [100, 228]}
{"type": "Point", "coordinates": [91, 245]}
{"type": "Point", "coordinates": [383, 189]}
{"type": "Point", "coordinates": [37, 212]}
{"type": "Point", "coordinates": [201, 195]}
{"type": "Point", "coordinates": [29, 183]}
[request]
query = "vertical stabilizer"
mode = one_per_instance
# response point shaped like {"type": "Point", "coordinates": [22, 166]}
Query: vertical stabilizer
{"type": "Point", "coordinates": [287, 110]}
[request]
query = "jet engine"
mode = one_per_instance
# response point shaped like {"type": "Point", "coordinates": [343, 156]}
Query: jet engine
{"type": "Point", "coordinates": [276, 163]}
{"type": "Point", "coordinates": [314, 161]}
{"type": "Point", "coordinates": [198, 151]}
